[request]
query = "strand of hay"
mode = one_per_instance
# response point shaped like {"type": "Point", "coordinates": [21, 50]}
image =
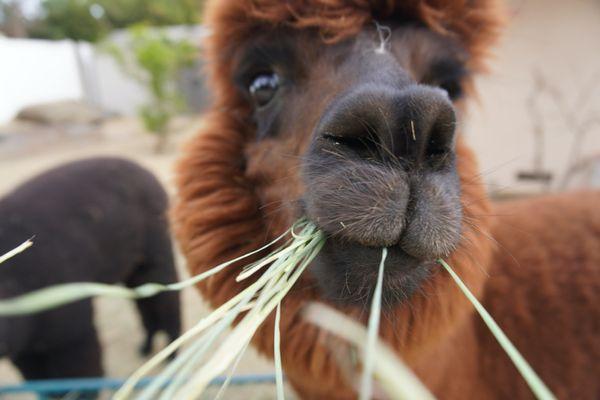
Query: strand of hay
{"type": "Point", "coordinates": [59, 295]}
{"type": "Point", "coordinates": [366, 387]}
{"type": "Point", "coordinates": [16, 251]}
{"type": "Point", "coordinates": [277, 355]}
{"type": "Point", "coordinates": [537, 386]}
{"type": "Point", "coordinates": [397, 380]}
{"type": "Point", "coordinates": [229, 376]}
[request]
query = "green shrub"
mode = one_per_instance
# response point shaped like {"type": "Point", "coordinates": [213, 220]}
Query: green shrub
{"type": "Point", "coordinates": [155, 60]}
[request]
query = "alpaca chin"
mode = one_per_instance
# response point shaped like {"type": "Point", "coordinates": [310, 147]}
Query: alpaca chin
{"type": "Point", "coordinates": [358, 266]}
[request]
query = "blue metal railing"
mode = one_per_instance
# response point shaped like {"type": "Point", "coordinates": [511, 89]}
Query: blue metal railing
{"type": "Point", "coordinates": [85, 385]}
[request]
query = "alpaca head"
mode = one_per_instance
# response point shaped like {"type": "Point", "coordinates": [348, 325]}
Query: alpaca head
{"type": "Point", "coordinates": [348, 113]}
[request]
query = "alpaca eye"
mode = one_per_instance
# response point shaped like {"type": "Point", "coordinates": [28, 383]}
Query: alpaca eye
{"type": "Point", "coordinates": [263, 88]}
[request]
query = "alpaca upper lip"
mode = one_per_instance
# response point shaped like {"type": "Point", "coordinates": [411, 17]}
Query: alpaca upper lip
{"type": "Point", "coordinates": [338, 235]}
{"type": "Point", "coordinates": [351, 245]}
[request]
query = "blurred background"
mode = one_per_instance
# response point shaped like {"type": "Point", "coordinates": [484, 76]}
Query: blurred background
{"type": "Point", "coordinates": [124, 77]}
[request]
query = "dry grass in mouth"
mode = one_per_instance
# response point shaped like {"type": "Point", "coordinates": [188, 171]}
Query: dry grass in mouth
{"type": "Point", "coordinates": [191, 372]}
{"type": "Point", "coordinates": [215, 344]}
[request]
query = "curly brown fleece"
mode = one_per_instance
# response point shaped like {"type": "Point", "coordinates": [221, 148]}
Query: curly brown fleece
{"type": "Point", "coordinates": [225, 190]}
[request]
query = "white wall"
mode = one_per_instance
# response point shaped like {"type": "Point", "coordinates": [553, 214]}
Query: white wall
{"type": "Point", "coordinates": [37, 71]}
{"type": "Point", "coordinates": [34, 71]}
{"type": "Point", "coordinates": [561, 40]}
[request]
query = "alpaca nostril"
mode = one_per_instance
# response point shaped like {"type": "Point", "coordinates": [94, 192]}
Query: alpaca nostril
{"type": "Point", "coordinates": [435, 148]}
{"type": "Point", "coordinates": [366, 147]}
{"type": "Point", "coordinates": [440, 146]}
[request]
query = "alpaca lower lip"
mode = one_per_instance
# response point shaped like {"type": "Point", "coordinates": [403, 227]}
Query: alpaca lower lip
{"type": "Point", "coordinates": [347, 272]}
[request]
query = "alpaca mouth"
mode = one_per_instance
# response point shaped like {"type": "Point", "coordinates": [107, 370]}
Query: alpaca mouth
{"type": "Point", "coordinates": [417, 217]}
{"type": "Point", "coordinates": [371, 182]}
{"type": "Point", "coordinates": [418, 222]}
{"type": "Point", "coordinates": [346, 273]}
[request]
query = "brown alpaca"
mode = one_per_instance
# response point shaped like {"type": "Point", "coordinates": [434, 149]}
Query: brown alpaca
{"type": "Point", "coordinates": [345, 112]}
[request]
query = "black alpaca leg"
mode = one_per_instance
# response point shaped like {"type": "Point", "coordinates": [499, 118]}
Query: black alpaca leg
{"type": "Point", "coordinates": [145, 309]}
{"type": "Point", "coordinates": [160, 313]}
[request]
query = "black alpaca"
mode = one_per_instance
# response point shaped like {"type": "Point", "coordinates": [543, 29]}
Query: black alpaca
{"type": "Point", "coordinates": [101, 220]}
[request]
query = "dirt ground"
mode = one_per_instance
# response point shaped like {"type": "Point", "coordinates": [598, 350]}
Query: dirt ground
{"type": "Point", "coordinates": [22, 157]}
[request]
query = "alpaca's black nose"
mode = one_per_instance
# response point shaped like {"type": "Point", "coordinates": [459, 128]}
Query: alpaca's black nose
{"type": "Point", "coordinates": [414, 125]}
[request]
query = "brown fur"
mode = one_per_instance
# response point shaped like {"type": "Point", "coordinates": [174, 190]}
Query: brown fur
{"type": "Point", "coordinates": [236, 194]}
